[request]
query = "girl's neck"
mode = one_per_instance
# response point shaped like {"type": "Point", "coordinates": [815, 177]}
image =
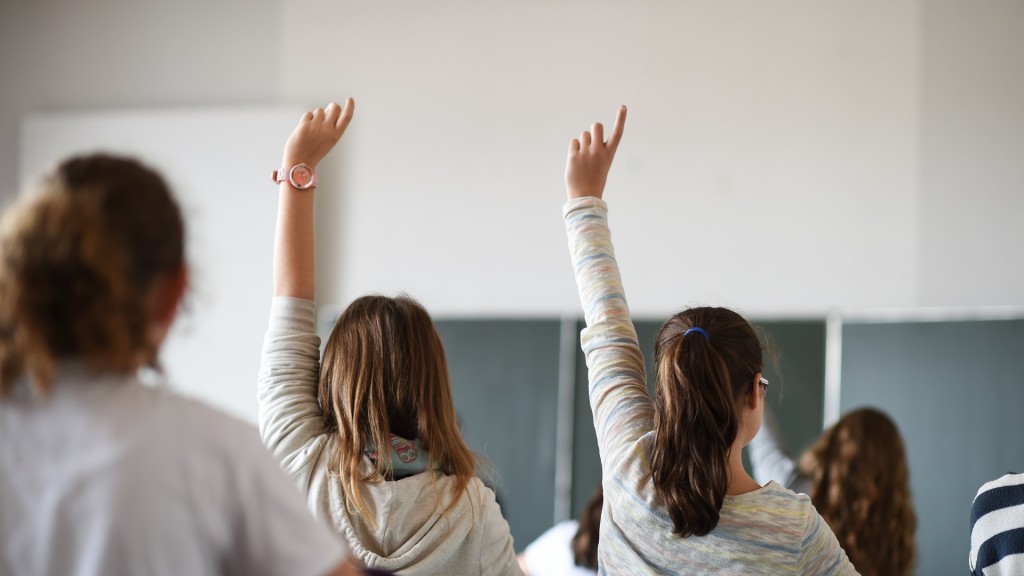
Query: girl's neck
{"type": "Point", "coordinates": [740, 481]}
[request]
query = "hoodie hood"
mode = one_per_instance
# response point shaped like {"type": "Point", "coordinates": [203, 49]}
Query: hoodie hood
{"type": "Point", "coordinates": [413, 532]}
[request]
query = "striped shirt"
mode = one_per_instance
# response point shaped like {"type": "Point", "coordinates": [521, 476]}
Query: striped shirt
{"type": "Point", "coordinates": [997, 527]}
{"type": "Point", "coordinates": [769, 531]}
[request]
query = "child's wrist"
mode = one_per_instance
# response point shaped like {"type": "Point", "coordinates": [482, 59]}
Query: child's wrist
{"type": "Point", "coordinates": [290, 160]}
{"type": "Point", "coordinates": [583, 192]}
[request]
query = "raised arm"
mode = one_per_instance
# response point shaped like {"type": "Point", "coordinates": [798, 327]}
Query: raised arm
{"type": "Point", "coordinates": [317, 133]}
{"type": "Point", "coordinates": [289, 413]}
{"type": "Point", "coordinates": [618, 393]}
{"type": "Point", "coordinates": [586, 172]}
{"type": "Point", "coordinates": [768, 456]}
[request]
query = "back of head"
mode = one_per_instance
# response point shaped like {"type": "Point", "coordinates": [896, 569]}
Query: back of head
{"type": "Point", "coordinates": [584, 543]}
{"type": "Point", "coordinates": [77, 260]}
{"type": "Point", "coordinates": [701, 379]}
{"type": "Point", "coordinates": [861, 487]}
{"type": "Point", "coordinates": [385, 372]}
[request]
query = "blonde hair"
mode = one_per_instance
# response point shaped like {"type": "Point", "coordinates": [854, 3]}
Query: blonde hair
{"type": "Point", "coordinates": [861, 487]}
{"type": "Point", "coordinates": [385, 372]}
{"type": "Point", "coordinates": [77, 260]}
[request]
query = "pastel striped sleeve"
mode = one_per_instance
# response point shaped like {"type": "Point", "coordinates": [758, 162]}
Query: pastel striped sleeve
{"type": "Point", "coordinates": [618, 392]}
{"type": "Point", "coordinates": [820, 552]}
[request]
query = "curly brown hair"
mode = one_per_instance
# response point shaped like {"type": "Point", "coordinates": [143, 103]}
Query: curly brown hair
{"type": "Point", "coordinates": [861, 487]}
{"type": "Point", "coordinates": [77, 261]}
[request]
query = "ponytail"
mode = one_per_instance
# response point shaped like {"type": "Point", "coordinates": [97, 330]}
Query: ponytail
{"type": "Point", "coordinates": [77, 261]}
{"type": "Point", "coordinates": [706, 360]}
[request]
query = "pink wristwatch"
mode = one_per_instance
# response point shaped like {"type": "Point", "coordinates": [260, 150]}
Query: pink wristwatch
{"type": "Point", "coordinates": [300, 176]}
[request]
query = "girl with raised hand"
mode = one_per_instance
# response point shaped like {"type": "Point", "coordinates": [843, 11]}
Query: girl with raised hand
{"type": "Point", "coordinates": [676, 496]}
{"type": "Point", "coordinates": [99, 473]}
{"type": "Point", "coordinates": [858, 479]}
{"type": "Point", "coordinates": [370, 434]}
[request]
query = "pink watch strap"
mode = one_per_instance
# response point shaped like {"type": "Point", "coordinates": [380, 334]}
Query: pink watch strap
{"type": "Point", "coordinates": [285, 175]}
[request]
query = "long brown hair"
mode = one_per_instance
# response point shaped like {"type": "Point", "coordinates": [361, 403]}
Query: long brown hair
{"type": "Point", "coordinates": [861, 487]}
{"type": "Point", "coordinates": [77, 261]}
{"type": "Point", "coordinates": [385, 372]}
{"type": "Point", "coordinates": [700, 383]}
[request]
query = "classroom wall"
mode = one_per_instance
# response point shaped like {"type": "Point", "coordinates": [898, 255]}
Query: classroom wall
{"type": "Point", "coordinates": [772, 135]}
{"type": "Point", "coordinates": [61, 55]}
{"type": "Point", "coordinates": [873, 148]}
{"type": "Point", "coordinates": [972, 152]}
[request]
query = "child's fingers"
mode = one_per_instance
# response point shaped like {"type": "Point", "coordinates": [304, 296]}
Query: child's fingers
{"type": "Point", "coordinates": [585, 139]}
{"type": "Point", "coordinates": [574, 146]}
{"type": "Point", "coordinates": [620, 125]}
{"type": "Point", "coordinates": [332, 113]}
{"type": "Point", "coordinates": [318, 114]}
{"type": "Point", "coordinates": [598, 131]}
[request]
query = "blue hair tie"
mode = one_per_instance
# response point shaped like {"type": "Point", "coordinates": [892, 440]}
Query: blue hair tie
{"type": "Point", "coordinates": [700, 331]}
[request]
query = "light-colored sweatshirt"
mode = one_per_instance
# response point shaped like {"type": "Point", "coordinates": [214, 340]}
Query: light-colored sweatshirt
{"type": "Point", "coordinates": [769, 531]}
{"type": "Point", "coordinates": [411, 533]}
{"type": "Point", "coordinates": [107, 476]}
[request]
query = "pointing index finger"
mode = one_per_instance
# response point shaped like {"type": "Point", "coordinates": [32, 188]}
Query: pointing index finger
{"type": "Point", "coordinates": [620, 125]}
{"type": "Point", "coordinates": [346, 114]}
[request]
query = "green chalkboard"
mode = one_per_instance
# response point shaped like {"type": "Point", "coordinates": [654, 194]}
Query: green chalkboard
{"type": "Point", "coordinates": [504, 377]}
{"type": "Point", "coordinates": [955, 390]}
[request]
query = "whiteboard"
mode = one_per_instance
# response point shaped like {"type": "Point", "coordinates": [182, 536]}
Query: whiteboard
{"type": "Point", "coordinates": [218, 163]}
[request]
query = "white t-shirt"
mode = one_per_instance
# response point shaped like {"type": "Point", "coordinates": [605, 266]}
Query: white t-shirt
{"type": "Point", "coordinates": [108, 476]}
{"type": "Point", "coordinates": [551, 553]}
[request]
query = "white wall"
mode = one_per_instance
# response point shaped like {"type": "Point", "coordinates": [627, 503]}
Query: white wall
{"type": "Point", "coordinates": [769, 162]}
{"type": "Point", "coordinates": [784, 158]}
{"type": "Point", "coordinates": [62, 55]}
{"type": "Point", "coordinates": [972, 153]}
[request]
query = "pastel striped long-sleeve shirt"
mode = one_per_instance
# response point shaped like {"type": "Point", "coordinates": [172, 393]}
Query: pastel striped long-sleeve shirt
{"type": "Point", "coordinates": [769, 531]}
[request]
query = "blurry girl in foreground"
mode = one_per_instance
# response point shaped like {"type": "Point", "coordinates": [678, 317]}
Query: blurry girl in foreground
{"type": "Point", "coordinates": [100, 474]}
{"type": "Point", "coordinates": [677, 498]}
{"type": "Point", "coordinates": [370, 435]}
{"type": "Point", "coordinates": [858, 479]}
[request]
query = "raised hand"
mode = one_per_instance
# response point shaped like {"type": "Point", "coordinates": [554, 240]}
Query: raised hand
{"type": "Point", "coordinates": [590, 157]}
{"type": "Point", "coordinates": [317, 133]}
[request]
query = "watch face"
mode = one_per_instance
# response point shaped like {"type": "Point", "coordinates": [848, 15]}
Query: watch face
{"type": "Point", "coordinates": [301, 176]}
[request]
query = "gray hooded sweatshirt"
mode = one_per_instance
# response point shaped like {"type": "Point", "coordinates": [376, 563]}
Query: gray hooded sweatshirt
{"type": "Point", "coordinates": [412, 533]}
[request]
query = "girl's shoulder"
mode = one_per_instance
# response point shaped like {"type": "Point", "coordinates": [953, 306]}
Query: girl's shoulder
{"type": "Point", "coordinates": [772, 504]}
